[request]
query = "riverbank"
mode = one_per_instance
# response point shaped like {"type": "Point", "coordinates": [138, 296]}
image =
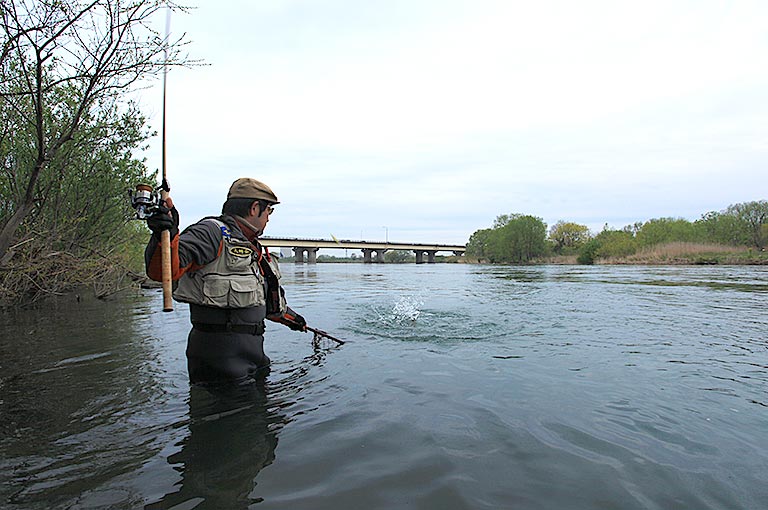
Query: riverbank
{"type": "Point", "coordinates": [33, 277]}
{"type": "Point", "coordinates": [671, 254]}
{"type": "Point", "coordinates": [691, 254]}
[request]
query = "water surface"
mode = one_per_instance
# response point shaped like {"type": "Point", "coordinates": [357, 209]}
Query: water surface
{"type": "Point", "coordinates": [459, 387]}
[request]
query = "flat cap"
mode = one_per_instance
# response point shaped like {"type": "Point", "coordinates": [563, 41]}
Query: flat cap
{"type": "Point", "coordinates": [245, 187]}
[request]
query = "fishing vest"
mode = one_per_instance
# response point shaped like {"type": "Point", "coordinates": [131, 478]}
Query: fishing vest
{"type": "Point", "coordinates": [233, 279]}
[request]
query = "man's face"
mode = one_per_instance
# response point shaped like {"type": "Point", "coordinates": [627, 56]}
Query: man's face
{"type": "Point", "coordinates": [260, 220]}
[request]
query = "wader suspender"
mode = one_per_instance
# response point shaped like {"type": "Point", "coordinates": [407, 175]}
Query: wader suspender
{"type": "Point", "coordinates": [273, 293]}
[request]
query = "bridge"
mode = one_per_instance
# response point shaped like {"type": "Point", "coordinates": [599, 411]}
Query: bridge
{"type": "Point", "coordinates": [373, 251]}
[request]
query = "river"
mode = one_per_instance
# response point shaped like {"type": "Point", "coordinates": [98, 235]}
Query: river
{"type": "Point", "coordinates": [459, 387]}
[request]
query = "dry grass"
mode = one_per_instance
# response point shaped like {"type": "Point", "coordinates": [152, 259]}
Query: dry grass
{"type": "Point", "coordinates": [683, 253]}
{"type": "Point", "coordinates": [559, 259]}
{"type": "Point", "coordinates": [679, 249]}
{"type": "Point", "coordinates": [35, 272]}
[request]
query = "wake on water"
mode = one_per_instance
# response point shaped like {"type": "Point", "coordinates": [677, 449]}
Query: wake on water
{"type": "Point", "coordinates": [409, 318]}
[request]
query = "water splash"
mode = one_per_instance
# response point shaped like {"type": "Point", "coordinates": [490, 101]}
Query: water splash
{"type": "Point", "coordinates": [403, 312]}
{"type": "Point", "coordinates": [407, 309]}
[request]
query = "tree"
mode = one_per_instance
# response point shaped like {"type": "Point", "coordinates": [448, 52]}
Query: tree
{"type": "Point", "coordinates": [513, 238]}
{"type": "Point", "coordinates": [503, 219]}
{"type": "Point", "coordinates": [397, 256]}
{"type": "Point", "coordinates": [722, 228]}
{"type": "Point", "coordinates": [567, 235]}
{"type": "Point", "coordinates": [588, 252]}
{"type": "Point", "coordinates": [63, 63]}
{"type": "Point", "coordinates": [665, 230]}
{"type": "Point", "coordinates": [520, 240]}
{"type": "Point", "coordinates": [738, 224]}
{"type": "Point", "coordinates": [477, 246]}
{"type": "Point", "coordinates": [615, 243]}
{"type": "Point", "coordinates": [85, 200]}
{"type": "Point", "coordinates": [753, 215]}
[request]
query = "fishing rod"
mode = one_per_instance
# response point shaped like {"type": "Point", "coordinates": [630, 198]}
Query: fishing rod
{"type": "Point", "coordinates": [323, 334]}
{"type": "Point", "coordinates": [165, 235]}
{"type": "Point", "coordinates": [290, 318]}
{"type": "Point", "coordinates": [147, 200]}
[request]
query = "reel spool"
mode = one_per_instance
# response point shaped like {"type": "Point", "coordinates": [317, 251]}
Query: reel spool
{"type": "Point", "coordinates": [145, 200]}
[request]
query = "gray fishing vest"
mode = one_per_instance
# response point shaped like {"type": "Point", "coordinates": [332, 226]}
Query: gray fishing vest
{"type": "Point", "coordinates": [232, 280]}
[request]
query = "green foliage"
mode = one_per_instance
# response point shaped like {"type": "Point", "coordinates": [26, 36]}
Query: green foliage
{"type": "Point", "coordinates": [666, 230]}
{"type": "Point", "coordinates": [502, 220]}
{"type": "Point", "coordinates": [616, 243]}
{"type": "Point", "coordinates": [514, 238]}
{"type": "Point", "coordinates": [743, 224]}
{"type": "Point", "coordinates": [86, 198]}
{"type": "Point", "coordinates": [80, 209]}
{"type": "Point", "coordinates": [67, 129]}
{"type": "Point", "coordinates": [568, 237]}
{"type": "Point", "coordinates": [608, 243]}
{"type": "Point", "coordinates": [718, 227]}
{"type": "Point", "coordinates": [740, 224]}
{"type": "Point", "coordinates": [752, 216]}
{"type": "Point", "coordinates": [398, 256]}
{"type": "Point", "coordinates": [81, 197]}
{"type": "Point", "coordinates": [518, 238]}
{"type": "Point", "coordinates": [588, 252]}
{"type": "Point", "coordinates": [478, 242]}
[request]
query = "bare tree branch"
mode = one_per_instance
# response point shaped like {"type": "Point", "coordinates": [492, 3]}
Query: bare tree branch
{"type": "Point", "coordinates": [94, 49]}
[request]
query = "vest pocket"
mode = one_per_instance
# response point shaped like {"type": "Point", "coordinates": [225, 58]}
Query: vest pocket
{"type": "Point", "coordinates": [215, 292]}
{"type": "Point", "coordinates": [245, 293]}
{"type": "Point", "coordinates": [233, 292]}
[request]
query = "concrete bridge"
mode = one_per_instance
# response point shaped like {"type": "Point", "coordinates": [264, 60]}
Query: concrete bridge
{"type": "Point", "coordinates": [373, 251]}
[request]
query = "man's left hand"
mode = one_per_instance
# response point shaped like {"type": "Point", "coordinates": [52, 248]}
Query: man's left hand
{"type": "Point", "coordinates": [296, 322]}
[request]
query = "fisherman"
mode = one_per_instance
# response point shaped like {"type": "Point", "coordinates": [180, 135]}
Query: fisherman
{"type": "Point", "coordinates": [230, 281]}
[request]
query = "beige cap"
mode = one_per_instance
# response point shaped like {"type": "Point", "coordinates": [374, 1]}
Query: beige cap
{"type": "Point", "coordinates": [245, 187]}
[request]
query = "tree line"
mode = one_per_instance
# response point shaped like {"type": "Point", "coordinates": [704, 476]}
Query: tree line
{"type": "Point", "coordinates": [520, 238]}
{"type": "Point", "coordinates": [68, 135]}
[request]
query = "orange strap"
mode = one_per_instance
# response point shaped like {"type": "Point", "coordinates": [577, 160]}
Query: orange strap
{"type": "Point", "coordinates": [155, 269]}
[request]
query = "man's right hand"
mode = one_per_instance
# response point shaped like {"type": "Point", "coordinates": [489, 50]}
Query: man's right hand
{"type": "Point", "coordinates": [164, 219]}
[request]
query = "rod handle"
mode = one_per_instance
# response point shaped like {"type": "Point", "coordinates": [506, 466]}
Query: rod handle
{"type": "Point", "coordinates": [165, 252]}
{"type": "Point", "coordinates": [165, 247]}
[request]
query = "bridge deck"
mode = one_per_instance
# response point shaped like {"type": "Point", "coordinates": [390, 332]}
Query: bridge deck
{"type": "Point", "coordinates": [287, 242]}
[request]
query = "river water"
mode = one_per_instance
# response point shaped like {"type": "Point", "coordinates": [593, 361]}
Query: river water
{"type": "Point", "coordinates": [461, 386]}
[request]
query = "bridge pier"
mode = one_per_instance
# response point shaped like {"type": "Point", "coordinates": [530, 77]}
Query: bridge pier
{"type": "Point", "coordinates": [368, 252]}
{"type": "Point", "coordinates": [311, 255]}
{"type": "Point", "coordinates": [420, 256]}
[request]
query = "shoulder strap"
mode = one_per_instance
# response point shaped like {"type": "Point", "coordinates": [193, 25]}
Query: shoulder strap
{"type": "Point", "coordinates": [225, 233]}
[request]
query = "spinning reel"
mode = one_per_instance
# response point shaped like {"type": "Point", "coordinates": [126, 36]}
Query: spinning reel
{"type": "Point", "coordinates": [146, 200]}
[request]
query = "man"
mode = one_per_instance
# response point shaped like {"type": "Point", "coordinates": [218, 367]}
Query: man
{"type": "Point", "coordinates": [230, 281]}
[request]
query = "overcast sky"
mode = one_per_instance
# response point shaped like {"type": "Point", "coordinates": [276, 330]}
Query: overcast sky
{"type": "Point", "coordinates": [421, 120]}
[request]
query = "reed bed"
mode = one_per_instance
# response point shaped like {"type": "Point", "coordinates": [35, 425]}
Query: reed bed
{"type": "Point", "coordinates": [684, 253]}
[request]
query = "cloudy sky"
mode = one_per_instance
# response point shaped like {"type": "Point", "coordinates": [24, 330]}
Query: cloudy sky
{"type": "Point", "coordinates": [422, 120]}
